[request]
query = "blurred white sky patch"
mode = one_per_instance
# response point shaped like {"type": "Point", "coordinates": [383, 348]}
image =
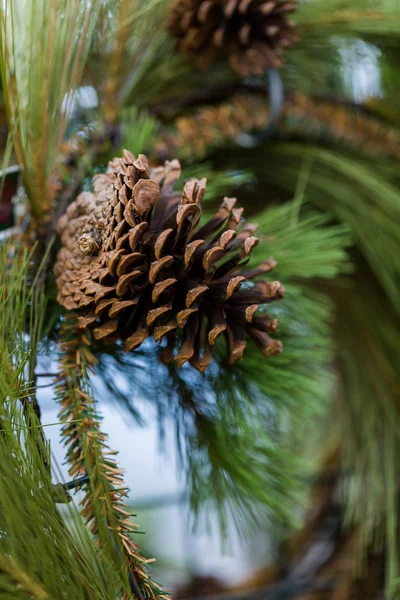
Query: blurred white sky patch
{"type": "Point", "coordinates": [84, 98]}
{"type": "Point", "coordinates": [360, 69]}
{"type": "Point", "coordinates": [87, 97]}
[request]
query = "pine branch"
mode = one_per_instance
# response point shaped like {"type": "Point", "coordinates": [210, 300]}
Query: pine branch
{"type": "Point", "coordinates": [88, 454]}
{"type": "Point", "coordinates": [35, 544]}
{"type": "Point", "coordinates": [129, 39]}
{"type": "Point", "coordinates": [194, 135]}
{"type": "Point", "coordinates": [339, 123]}
{"type": "Point", "coordinates": [367, 413]}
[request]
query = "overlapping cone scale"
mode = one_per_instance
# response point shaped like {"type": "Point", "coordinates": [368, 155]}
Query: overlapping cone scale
{"type": "Point", "coordinates": [252, 34]}
{"type": "Point", "coordinates": [135, 263]}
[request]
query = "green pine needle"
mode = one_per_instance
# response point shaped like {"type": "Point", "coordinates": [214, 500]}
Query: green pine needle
{"type": "Point", "coordinates": [39, 557]}
{"type": "Point", "coordinates": [41, 62]}
{"type": "Point", "coordinates": [361, 193]}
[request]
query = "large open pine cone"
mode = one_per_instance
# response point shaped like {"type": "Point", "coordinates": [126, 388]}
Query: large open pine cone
{"type": "Point", "coordinates": [134, 263]}
{"type": "Point", "coordinates": [251, 33]}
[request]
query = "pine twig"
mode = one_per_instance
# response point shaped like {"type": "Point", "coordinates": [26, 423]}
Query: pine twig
{"type": "Point", "coordinates": [108, 517]}
{"type": "Point", "coordinates": [38, 375]}
{"type": "Point", "coordinates": [43, 255]}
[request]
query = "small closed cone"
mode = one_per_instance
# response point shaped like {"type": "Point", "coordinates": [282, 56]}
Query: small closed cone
{"type": "Point", "coordinates": [134, 263]}
{"type": "Point", "coordinates": [252, 34]}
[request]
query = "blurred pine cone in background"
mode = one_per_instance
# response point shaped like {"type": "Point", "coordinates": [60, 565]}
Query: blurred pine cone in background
{"type": "Point", "coordinates": [252, 34]}
{"type": "Point", "coordinates": [134, 263]}
{"type": "Point", "coordinates": [212, 126]}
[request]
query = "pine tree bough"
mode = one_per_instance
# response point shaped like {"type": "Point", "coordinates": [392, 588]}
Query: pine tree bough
{"type": "Point", "coordinates": [88, 454]}
{"type": "Point", "coordinates": [196, 133]}
{"type": "Point", "coordinates": [252, 34]}
{"type": "Point", "coordinates": [134, 264]}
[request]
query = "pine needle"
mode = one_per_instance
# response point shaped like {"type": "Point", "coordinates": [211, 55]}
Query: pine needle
{"type": "Point", "coordinates": [129, 33]}
{"type": "Point", "coordinates": [44, 44]}
{"type": "Point", "coordinates": [20, 579]}
{"type": "Point", "coordinates": [367, 413]}
{"type": "Point", "coordinates": [38, 556]}
{"type": "Point", "coordinates": [365, 196]}
{"type": "Point", "coordinates": [321, 19]}
{"type": "Point", "coordinates": [138, 130]}
{"type": "Point", "coordinates": [315, 61]}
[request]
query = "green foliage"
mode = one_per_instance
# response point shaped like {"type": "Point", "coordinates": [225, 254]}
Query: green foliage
{"type": "Point", "coordinates": [322, 19]}
{"type": "Point", "coordinates": [89, 457]}
{"type": "Point", "coordinates": [366, 416]}
{"type": "Point", "coordinates": [41, 62]}
{"type": "Point", "coordinates": [132, 60]}
{"type": "Point", "coordinates": [315, 62]}
{"type": "Point", "coordinates": [219, 182]}
{"type": "Point", "coordinates": [364, 195]}
{"type": "Point", "coordinates": [138, 130]}
{"type": "Point", "coordinates": [39, 557]}
{"type": "Point", "coordinates": [34, 537]}
{"type": "Point", "coordinates": [127, 36]}
{"type": "Point", "coordinates": [305, 246]}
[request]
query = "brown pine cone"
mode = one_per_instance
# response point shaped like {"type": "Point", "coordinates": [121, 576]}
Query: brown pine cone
{"type": "Point", "coordinates": [251, 33]}
{"type": "Point", "coordinates": [134, 264]}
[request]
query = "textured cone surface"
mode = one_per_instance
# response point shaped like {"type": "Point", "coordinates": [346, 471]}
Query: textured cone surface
{"type": "Point", "coordinates": [134, 263]}
{"type": "Point", "coordinates": [251, 33]}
